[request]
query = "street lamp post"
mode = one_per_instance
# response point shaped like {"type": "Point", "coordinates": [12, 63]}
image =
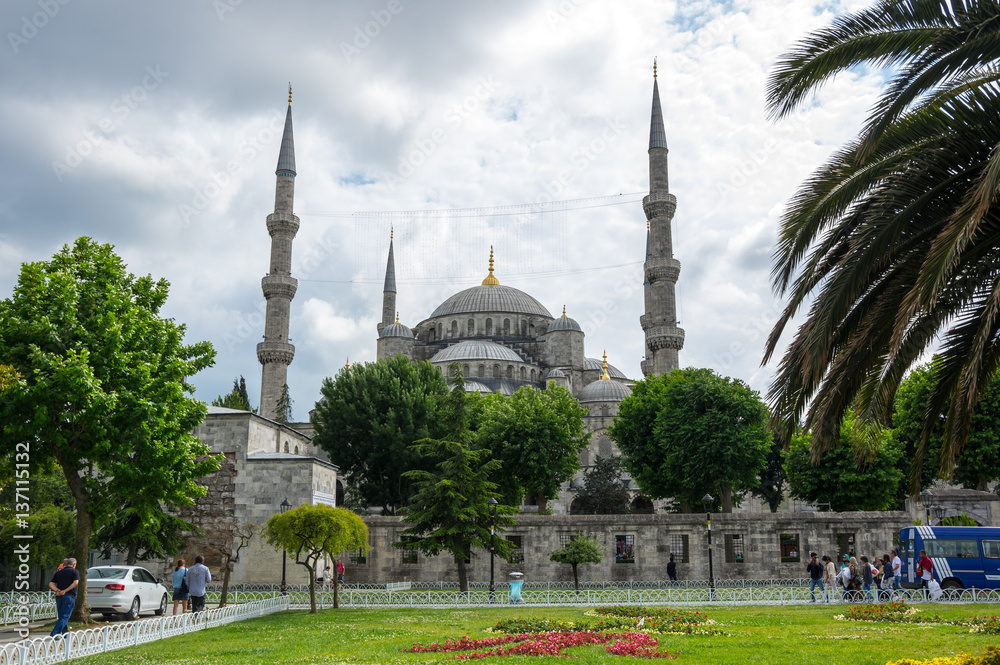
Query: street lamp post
{"type": "Point", "coordinates": [707, 501]}
{"type": "Point", "coordinates": [925, 499]}
{"type": "Point", "coordinates": [492, 503]}
{"type": "Point", "coordinates": [284, 588]}
{"type": "Point", "coordinates": [939, 513]}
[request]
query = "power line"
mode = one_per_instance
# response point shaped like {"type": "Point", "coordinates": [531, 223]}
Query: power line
{"type": "Point", "coordinates": [543, 274]}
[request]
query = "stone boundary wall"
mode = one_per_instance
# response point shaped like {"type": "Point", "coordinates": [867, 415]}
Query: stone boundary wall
{"type": "Point", "coordinates": [750, 546]}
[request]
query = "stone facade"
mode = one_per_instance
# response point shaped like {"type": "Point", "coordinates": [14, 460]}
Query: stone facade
{"type": "Point", "coordinates": [744, 547]}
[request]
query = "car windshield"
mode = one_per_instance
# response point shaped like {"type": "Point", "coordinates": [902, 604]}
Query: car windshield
{"type": "Point", "coordinates": [107, 573]}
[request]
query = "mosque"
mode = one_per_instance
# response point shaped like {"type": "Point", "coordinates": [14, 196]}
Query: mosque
{"type": "Point", "coordinates": [502, 337]}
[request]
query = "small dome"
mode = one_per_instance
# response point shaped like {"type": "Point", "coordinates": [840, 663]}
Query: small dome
{"type": "Point", "coordinates": [594, 363]}
{"type": "Point", "coordinates": [396, 330]}
{"type": "Point", "coordinates": [555, 373]}
{"type": "Point", "coordinates": [564, 323]}
{"type": "Point", "coordinates": [476, 350]}
{"type": "Point", "coordinates": [604, 390]}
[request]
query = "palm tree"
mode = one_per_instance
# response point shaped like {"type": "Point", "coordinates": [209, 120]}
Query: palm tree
{"type": "Point", "coordinates": [895, 241]}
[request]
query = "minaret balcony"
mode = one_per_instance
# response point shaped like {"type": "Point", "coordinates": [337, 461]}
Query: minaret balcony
{"type": "Point", "coordinates": [660, 269]}
{"type": "Point", "coordinates": [646, 366]}
{"type": "Point", "coordinates": [273, 351]}
{"type": "Point", "coordinates": [282, 222]}
{"type": "Point", "coordinates": [659, 204]}
{"type": "Point", "coordinates": [664, 337]}
{"type": "Point", "coordinates": [279, 286]}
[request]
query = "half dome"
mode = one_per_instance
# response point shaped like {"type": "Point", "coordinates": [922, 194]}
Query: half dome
{"type": "Point", "coordinates": [487, 298]}
{"type": "Point", "coordinates": [396, 330]}
{"type": "Point", "coordinates": [476, 350]}
{"type": "Point", "coordinates": [604, 390]}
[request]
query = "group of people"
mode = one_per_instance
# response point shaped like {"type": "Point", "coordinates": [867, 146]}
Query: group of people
{"type": "Point", "coordinates": [189, 584]}
{"type": "Point", "coordinates": [875, 578]}
{"type": "Point", "coordinates": [323, 581]}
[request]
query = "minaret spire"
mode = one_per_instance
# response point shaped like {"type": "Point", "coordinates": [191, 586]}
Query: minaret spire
{"type": "Point", "coordinates": [664, 339]}
{"type": "Point", "coordinates": [275, 353]}
{"type": "Point", "coordinates": [491, 279]}
{"type": "Point", "coordinates": [389, 289]}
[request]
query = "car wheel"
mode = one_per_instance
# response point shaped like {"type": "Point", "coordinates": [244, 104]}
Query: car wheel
{"type": "Point", "coordinates": [951, 584]}
{"type": "Point", "coordinates": [133, 612]}
{"type": "Point", "coordinates": [163, 606]}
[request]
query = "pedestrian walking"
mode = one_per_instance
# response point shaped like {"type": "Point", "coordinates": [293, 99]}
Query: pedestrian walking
{"type": "Point", "coordinates": [197, 577]}
{"type": "Point", "coordinates": [867, 578]}
{"type": "Point", "coordinates": [829, 578]}
{"type": "Point", "coordinates": [925, 568]}
{"type": "Point", "coordinates": [815, 571]}
{"type": "Point", "coordinates": [888, 577]}
{"type": "Point", "coordinates": [672, 569]}
{"type": "Point", "coordinates": [897, 569]}
{"type": "Point", "coordinates": [844, 577]}
{"type": "Point", "coordinates": [340, 571]}
{"type": "Point", "coordinates": [64, 584]}
{"type": "Point", "coordinates": [181, 591]}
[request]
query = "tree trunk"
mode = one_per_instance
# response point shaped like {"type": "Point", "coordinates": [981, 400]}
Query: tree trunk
{"type": "Point", "coordinates": [463, 578]}
{"type": "Point", "coordinates": [336, 586]}
{"type": "Point", "coordinates": [983, 484]}
{"type": "Point", "coordinates": [312, 587]}
{"type": "Point", "coordinates": [543, 503]}
{"type": "Point", "coordinates": [576, 580]}
{"type": "Point", "coordinates": [227, 568]}
{"type": "Point", "coordinates": [84, 526]}
{"type": "Point", "coordinates": [133, 554]}
{"type": "Point", "coordinates": [727, 498]}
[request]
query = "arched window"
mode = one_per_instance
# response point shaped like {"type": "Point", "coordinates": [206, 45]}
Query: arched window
{"type": "Point", "coordinates": [296, 450]}
{"type": "Point", "coordinates": [510, 371]}
{"type": "Point", "coordinates": [286, 446]}
{"type": "Point", "coordinates": [454, 328]}
{"type": "Point", "coordinates": [489, 326]}
{"type": "Point", "coordinates": [523, 373]}
{"type": "Point", "coordinates": [506, 327]}
{"type": "Point", "coordinates": [440, 334]}
{"type": "Point", "coordinates": [524, 328]}
{"type": "Point", "coordinates": [482, 371]}
{"type": "Point", "coordinates": [605, 411]}
{"type": "Point", "coordinates": [531, 330]}
{"type": "Point", "coordinates": [465, 370]}
{"type": "Point", "coordinates": [472, 327]}
{"type": "Point", "coordinates": [496, 372]}
{"type": "Point", "coordinates": [430, 334]}
{"type": "Point", "coordinates": [532, 375]}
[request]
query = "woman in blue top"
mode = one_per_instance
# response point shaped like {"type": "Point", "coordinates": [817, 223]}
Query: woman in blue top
{"type": "Point", "coordinates": [177, 577]}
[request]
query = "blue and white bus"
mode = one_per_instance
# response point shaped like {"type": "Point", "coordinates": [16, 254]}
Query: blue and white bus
{"type": "Point", "coordinates": [964, 557]}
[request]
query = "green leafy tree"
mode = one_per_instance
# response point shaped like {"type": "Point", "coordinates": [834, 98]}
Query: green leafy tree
{"type": "Point", "coordinates": [283, 409]}
{"type": "Point", "coordinates": [773, 480]}
{"type": "Point", "coordinates": [103, 387]}
{"type": "Point", "coordinates": [143, 530]}
{"type": "Point", "coordinates": [238, 536]}
{"type": "Point", "coordinates": [890, 246]}
{"type": "Point", "coordinates": [449, 511]}
{"type": "Point", "coordinates": [839, 478]}
{"type": "Point", "coordinates": [692, 432]}
{"type": "Point", "coordinates": [367, 419]}
{"type": "Point", "coordinates": [538, 436]}
{"type": "Point", "coordinates": [603, 492]}
{"type": "Point", "coordinates": [979, 463]}
{"type": "Point", "coordinates": [237, 398]}
{"type": "Point", "coordinates": [52, 530]}
{"type": "Point", "coordinates": [308, 533]}
{"type": "Point", "coordinates": [580, 549]}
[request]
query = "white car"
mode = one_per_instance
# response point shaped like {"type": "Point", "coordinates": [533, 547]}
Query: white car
{"type": "Point", "coordinates": [125, 590]}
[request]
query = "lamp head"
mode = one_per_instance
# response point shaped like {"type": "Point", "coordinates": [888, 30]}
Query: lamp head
{"type": "Point", "coordinates": [707, 502]}
{"type": "Point", "coordinates": [285, 505]}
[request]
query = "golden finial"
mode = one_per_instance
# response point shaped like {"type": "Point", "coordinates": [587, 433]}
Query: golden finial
{"type": "Point", "coordinates": [606, 365]}
{"type": "Point", "coordinates": [393, 230]}
{"type": "Point", "coordinates": [347, 365]}
{"type": "Point", "coordinates": [490, 279]}
{"type": "Point", "coordinates": [397, 317]}
{"type": "Point", "coordinates": [289, 94]}
{"type": "Point", "coordinates": [564, 311]}
{"type": "Point", "coordinates": [654, 68]}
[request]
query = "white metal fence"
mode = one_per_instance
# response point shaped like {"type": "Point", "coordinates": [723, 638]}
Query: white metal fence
{"type": "Point", "coordinates": [78, 644]}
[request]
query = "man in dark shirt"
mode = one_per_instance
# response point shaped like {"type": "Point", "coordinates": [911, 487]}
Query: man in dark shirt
{"type": "Point", "coordinates": [815, 571]}
{"type": "Point", "coordinates": [672, 569]}
{"type": "Point", "coordinates": [64, 583]}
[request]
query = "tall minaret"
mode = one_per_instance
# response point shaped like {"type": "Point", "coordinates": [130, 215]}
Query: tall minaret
{"type": "Point", "coordinates": [275, 353]}
{"type": "Point", "coordinates": [663, 338]}
{"type": "Point", "coordinates": [388, 291]}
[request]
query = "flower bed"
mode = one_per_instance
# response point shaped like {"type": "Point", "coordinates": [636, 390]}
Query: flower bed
{"type": "Point", "coordinates": [662, 620]}
{"type": "Point", "coordinates": [899, 612]}
{"type": "Point", "coordinates": [990, 656]}
{"type": "Point", "coordinates": [637, 645]}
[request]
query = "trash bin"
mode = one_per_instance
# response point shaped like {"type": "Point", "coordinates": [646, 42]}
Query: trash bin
{"type": "Point", "coordinates": [516, 581]}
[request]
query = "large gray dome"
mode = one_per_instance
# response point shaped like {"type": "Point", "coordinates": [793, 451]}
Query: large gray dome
{"type": "Point", "coordinates": [604, 390]}
{"type": "Point", "coordinates": [487, 298]}
{"type": "Point", "coordinates": [476, 350]}
{"type": "Point", "coordinates": [613, 372]}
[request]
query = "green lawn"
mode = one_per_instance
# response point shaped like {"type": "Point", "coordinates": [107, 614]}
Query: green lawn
{"type": "Point", "coordinates": [765, 635]}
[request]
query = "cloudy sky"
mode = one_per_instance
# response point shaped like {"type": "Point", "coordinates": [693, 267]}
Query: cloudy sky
{"type": "Point", "coordinates": [522, 125]}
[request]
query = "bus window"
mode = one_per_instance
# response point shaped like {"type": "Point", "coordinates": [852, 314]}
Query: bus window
{"type": "Point", "coordinates": [991, 549]}
{"type": "Point", "coordinates": [948, 548]}
{"type": "Point", "coordinates": [904, 548]}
